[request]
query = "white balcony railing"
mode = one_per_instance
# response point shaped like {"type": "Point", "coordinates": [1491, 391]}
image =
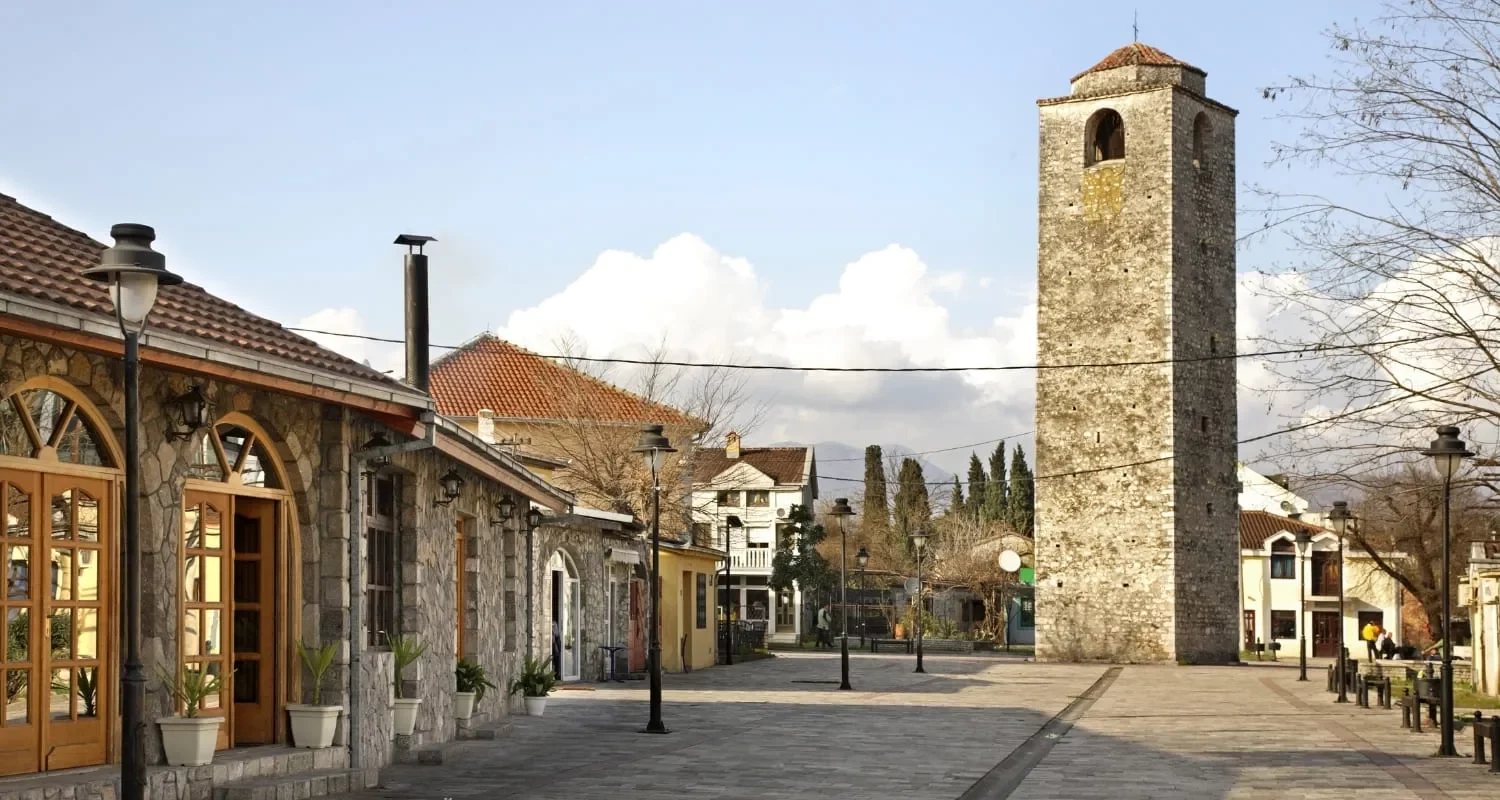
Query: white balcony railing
{"type": "Point", "coordinates": [751, 558]}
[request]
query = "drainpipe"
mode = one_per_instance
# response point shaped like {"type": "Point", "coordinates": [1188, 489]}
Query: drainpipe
{"type": "Point", "coordinates": [356, 577]}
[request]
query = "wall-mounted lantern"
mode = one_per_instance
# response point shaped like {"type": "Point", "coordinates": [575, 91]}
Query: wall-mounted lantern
{"type": "Point", "coordinates": [187, 413]}
{"type": "Point", "coordinates": [452, 484]}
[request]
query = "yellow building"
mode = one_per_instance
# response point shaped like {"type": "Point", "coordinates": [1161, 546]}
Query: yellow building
{"type": "Point", "coordinates": [688, 579]}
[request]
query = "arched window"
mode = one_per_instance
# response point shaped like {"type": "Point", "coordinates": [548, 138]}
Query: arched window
{"type": "Point", "coordinates": [1105, 136]}
{"type": "Point", "coordinates": [233, 454]}
{"type": "Point", "coordinates": [1203, 132]}
{"type": "Point", "coordinates": [42, 424]}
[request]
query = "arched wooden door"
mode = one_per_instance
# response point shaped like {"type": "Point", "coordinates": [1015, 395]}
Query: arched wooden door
{"type": "Point", "coordinates": [58, 544]}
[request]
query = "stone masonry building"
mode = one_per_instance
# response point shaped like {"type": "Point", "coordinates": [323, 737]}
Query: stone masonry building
{"type": "Point", "coordinates": [1136, 547]}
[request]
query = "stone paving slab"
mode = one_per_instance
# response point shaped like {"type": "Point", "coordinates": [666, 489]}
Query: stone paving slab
{"type": "Point", "coordinates": [766, 730]}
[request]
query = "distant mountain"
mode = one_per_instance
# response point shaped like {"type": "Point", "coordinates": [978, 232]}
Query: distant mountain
{"type": "Point", "coordinates": [841, 467]}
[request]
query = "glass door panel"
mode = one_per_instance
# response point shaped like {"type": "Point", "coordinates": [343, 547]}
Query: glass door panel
{"type": "Point", "coordinates": [20, 731]}
{"type": "Point", "coordinates": [254, 621]}
{"type": "Point", "coordinates": [75, 624]}
{"type": "Point", "coordinates": [205, 582]}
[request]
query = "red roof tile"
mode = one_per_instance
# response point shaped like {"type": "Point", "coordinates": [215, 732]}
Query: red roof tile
{"type": "Point", "coordinates": [1136, 54]}
{"type": "Point", "coordinates": [515, 383]}
{"type": "Point", "coordinates": [782, 464]}
{"type": "Point", "coordinates": [1258, 526]}
{"type": "Point", "coordinates": [43, 259]}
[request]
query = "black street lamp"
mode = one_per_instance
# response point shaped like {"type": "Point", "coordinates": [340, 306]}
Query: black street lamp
{"type": "Point", "coordinates": [1339, 516]}
{"type": "Point", "coordinates": [134, 273]}
{"type": "Point", "coordinates": [653, 445]}
{"type": "Point", "coordinates": [730, 523]}
{"type": "Point", "coordinates": [862, 558]}
{"type": "Point", "coordinates": [1447, 452]}
{"type": "Point", "coordinates": [919, 543]}
{"type": "Point", "coordinates": [839, 511]}
{"type": "Point", "coordinates": [1304, 540]}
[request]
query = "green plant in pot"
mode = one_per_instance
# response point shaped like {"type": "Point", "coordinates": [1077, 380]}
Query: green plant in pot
{"type": "Point", "coordinates": [534, 683]}
{"type": "Point", "coordinates": [472, 683]}
{"type": "Point", "coordinates": [188, 738]}
{"type": "Point", "coordinates": [313, 725]}
{"type": "Point", "coordinates": [405, 650]}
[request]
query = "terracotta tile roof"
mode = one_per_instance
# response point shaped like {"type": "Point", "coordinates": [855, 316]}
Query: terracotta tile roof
{"type": "Point", "coordinates": [1136, 54]}
{"type": "Point", "coordinates": [783, 464]}
{"type": "Point", "coordinates": [515, 383]}
{"type": "Point", "coordinates": [43, 259]}
{"type": "Point", "coordinates": [1258, 526]}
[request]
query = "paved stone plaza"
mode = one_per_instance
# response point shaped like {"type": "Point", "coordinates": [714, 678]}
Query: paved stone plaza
{"type": "Point", "coordinates": [973, 727]}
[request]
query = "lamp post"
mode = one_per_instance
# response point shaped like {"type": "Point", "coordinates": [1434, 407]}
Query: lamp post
{"type": "Point", "coordinates": [919, 543]}
{"type": "Point", "coordinates": [839, 511]}
{"type": "Point", "coordinates": [1304, 540]}
{"type": "Point", "coordinates": [862, 558]}
{"type": "Point", "coordinates": [653, 446]}
{"type": "Point", "coordinates": [730, 523]}
{"type": "Point", "coordinates": [533, 521]}
{"type": "Point", "coordinates": [1447, 452]}
{"type": "Point", "coordinates": [1339, 516]}
{"type": "Point", "coordinates": [134, 273]}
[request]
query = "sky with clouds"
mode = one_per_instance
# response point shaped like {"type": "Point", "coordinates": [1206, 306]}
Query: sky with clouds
{"type": "Point", "coordinates": [848, 183]}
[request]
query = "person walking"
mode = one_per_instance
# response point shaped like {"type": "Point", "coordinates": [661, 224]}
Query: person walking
{"type": "Point", "coordinates": [1368, 633]}
{"type": "Point", "coordinates": [825, 625]}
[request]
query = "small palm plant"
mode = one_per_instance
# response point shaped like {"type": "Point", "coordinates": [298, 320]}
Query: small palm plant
{"type": "Point", "coordinates": [318, 662]}
{"type": "Point", "coordinates": [536, 679]}
{"type": "Point", "coordinates": [193, 687]}
{"type": "Point", "coordinates": [406, 649]}
{"type": "Point", "coordinates": [471, 677]}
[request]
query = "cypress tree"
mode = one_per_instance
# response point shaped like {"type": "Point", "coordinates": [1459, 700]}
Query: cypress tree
{"type": "Point", "coordinates": [977, 498]}
{"type": "Point", "coordinates": [912, 505]}
{"type": "Point", "coordinates": [956, 504]}
{"type": "Point", "coordinates": [996, 496]}
{"type": "Point", "coordinates": [876, 513]}
{"type": "Point", "coordinates": [1022, 494]}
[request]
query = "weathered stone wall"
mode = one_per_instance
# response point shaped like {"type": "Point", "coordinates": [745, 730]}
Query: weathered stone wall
{"type": "Point", "coordinates": [583, 542]}
{"type": "Point", "coordinates": [1124, 571]}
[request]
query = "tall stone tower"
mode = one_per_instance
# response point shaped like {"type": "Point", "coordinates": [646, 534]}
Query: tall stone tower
{"type": "Point", "coordinates": [1137, 538]}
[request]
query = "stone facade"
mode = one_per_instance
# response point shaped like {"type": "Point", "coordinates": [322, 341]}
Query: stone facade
{"type": "Point", "coordinates": [1136, 543]}
{"type": "Point", "coordinates": [311, 440]}
{"type": "Point", "coordinates": [584, 542]}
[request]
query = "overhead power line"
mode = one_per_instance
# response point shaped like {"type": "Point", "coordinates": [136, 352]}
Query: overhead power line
{"type": "Point", "coordinates": [939, 450]}
{"type": "Point", "coordinates": [1304, 350]}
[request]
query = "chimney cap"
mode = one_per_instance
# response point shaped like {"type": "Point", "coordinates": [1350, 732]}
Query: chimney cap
{"type": "Point", "coordinates": [414, 240]}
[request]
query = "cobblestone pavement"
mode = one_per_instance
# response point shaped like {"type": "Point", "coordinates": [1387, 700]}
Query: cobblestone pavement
{"type": "Point", "coordinates": [973, 727]}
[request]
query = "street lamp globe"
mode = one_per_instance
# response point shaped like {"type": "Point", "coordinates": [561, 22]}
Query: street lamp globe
{"type": "Point", "coordinates": [653, 446]}
{"type": "Point", "coordinates": [919, 539]}
{"type": "Point", "coordinates": [862, 558]}
{"type": "Point", "coordinates": [841, 508]}
{"type": "Point", "coordinates": [1340, 516]}
{"type": "Point", "coordinates": [134, 272]}
{"type": "Point", "coordinates": [1447, 451]}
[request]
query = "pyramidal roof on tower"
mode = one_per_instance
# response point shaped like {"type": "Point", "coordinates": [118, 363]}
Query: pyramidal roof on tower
{"type": "Point", "coordinates": [1137, 54]}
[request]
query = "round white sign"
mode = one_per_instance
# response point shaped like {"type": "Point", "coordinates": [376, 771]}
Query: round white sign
{"type": "Point", "coordinates": [1010, 561]}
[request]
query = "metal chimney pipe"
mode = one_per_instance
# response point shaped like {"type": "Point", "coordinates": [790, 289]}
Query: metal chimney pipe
{"type": "Point", "coordinates": [417, 318]}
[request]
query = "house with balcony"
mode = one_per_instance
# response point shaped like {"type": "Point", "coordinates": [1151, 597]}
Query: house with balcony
{"type": "Point", "coordinates": [742, 500]}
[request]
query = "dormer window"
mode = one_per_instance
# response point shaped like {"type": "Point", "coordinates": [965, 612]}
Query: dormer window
{"type": "Point", "coordinates": [1105, 135]}
{"type": "Point", "coordinates": [1283, 560]}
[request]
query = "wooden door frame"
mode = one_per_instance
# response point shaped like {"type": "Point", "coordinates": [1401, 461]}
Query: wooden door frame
{"type": "Point", "coordinates": [1332, 621]}
{"type": "Point", "coordinates": [287, 682]}
{"type": "Point", "coordinates": [1247, 621]}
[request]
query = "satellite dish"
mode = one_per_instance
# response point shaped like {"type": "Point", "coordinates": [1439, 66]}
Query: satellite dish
{"type": "Point", "coordinates": [1287, 506]}
{"type": "Point", "coordinates": [912, 585]}
{"type": "Point", "coordinates": [1010, 561]}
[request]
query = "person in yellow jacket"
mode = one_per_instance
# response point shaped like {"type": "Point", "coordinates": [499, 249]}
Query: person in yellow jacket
{"type": "Point", "coordinates": [1368, 633]}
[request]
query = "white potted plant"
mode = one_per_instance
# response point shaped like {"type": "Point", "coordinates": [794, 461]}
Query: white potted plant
{"type": "Point", "coordinates": [313, 725]}
{"type": "Point", "coordinates": [189, 739]}
{"type": "Point", "coordinates": [406, 649]}
{"type": "Point", "coordinates": [472, 683]}
{"type": "Point", "coordinates": [534, 684]}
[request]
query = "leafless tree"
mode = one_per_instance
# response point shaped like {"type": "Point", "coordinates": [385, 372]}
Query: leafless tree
{"type": "Point", "coordinates": [965, 552]}
{"type": "Point", "coordinates": [1398, 263]}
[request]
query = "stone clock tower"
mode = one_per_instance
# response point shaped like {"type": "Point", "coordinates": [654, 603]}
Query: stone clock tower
{"type": "Point", "coordinates": [1137, 548]}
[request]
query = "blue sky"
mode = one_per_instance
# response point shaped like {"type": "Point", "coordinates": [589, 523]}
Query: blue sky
{"type": "Point", "coordinates": [279, 147]}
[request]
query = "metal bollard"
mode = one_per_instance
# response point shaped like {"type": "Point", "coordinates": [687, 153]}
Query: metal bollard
{"type": "Point", "coordinates": [1405, 708]}
{"type": "Point", "coordinates": [1361, 691]}
{"type": "Point", "coordinates": [1479, 737]}
{"type": "Point", "coordinates": [1494, 746]}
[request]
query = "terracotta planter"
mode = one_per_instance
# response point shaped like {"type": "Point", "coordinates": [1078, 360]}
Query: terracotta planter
{"type": "Point", "coordinates": [189, 741]}
{"type": "Point", "coordinates": [535, 706]}
{"type": "Point", "coordinates": [463, 705]}
{"type": "Point", "coordinates": [405, 715]}
{"type": "Point", "coordinates": [313, 726]}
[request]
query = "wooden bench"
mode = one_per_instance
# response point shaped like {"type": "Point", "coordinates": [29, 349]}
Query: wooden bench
{"type": "Point", "coordinates": [904, 645]}
{"type": "Point", "coordinates": [1487, 729]}
{"type": "Point", "coordinates": [1421, 691]}
{"type": "Point", "coordinates": [1382, 686]}
{"type": "Point", "coordinates": [947, 646]}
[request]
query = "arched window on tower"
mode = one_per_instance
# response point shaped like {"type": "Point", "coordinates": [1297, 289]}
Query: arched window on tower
{"type": "Point", "coordinates": [1203, 132]}
{"type": "Point", "coordinates": [1106, 136]}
